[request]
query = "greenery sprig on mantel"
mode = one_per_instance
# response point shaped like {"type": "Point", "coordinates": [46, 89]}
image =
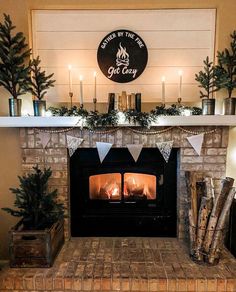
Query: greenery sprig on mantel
{"type": "Point", "coordinates": [94, 119]}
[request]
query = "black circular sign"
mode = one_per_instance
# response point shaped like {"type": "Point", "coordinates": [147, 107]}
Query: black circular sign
{"type": "Point", "coordinates": [122, 56]}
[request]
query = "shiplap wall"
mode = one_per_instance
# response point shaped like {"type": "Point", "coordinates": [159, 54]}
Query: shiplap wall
{"type": "Point", "coordinates": [176, 39]}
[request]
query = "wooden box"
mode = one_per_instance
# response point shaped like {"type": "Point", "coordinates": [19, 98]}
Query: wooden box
{"type": "Point", "coordinates": [37, 248]}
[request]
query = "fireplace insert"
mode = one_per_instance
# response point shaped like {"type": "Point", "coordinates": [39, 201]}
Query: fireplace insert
{"type": "Point", "coordinates": [120, 197]}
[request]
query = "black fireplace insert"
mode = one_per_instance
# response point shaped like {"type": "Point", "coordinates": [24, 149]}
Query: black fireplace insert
{"type": "Point", "coordinates": [120, 197]}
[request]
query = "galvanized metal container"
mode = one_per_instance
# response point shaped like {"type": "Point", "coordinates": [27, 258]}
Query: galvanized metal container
{"type": "Point", "coordinates": [15, 105]}
{"type": "Point", "coordinates": [208, 106]}
{"type": "Point", "coordinates": [229, 106]}
{"type": "Point", "coordinates": [39, 107]}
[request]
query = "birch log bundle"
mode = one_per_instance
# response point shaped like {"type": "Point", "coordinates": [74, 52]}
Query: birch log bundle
{"type": "Point", "coordinates": [208, 214]}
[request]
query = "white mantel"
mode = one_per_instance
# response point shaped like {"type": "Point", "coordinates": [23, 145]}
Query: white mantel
{"type": "Point", "coordinates": [19, 122]}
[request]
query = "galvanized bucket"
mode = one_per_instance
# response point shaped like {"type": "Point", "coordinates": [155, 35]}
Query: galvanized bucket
{"type": "Point", "coordinates": [208, 106]}
{"type": "Point", "coordinates": [39, 107]}
{"type": "Point", "coordinates": [15, 107]}
{"type": "Point", "coordinates": [229, 106]}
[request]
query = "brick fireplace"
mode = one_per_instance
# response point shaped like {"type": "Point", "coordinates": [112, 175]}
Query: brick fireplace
{"type": "Point", "coordinates": [55, 155]}
{"type": "Point", "coordinates": [125, 263]}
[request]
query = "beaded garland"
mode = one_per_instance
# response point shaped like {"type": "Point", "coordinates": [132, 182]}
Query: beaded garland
{"type": "Point", "coordinates": [142, 132]}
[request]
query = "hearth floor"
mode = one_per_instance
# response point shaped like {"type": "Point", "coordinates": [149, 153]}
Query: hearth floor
{"type": "Point", "coordinates": [123, 264]}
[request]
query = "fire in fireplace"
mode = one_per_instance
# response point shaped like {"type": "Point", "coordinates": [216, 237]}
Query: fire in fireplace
{"type": "Point", "coordinates": [136, 186]}
{"type": "Point", "coordinates": [120, 197]}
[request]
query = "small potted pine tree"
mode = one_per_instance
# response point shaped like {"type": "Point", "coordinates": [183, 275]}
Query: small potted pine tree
{"type": "Point", "coordinates": [39, 82]}
{"type": "Point", "coordinates": [14, 72]}
{"type": "Point", "coordinates": [207, 80]}
{"type": "Point", "coordinates": [39, 235]}
{"type": "Point", "coordinates": [227, 74]}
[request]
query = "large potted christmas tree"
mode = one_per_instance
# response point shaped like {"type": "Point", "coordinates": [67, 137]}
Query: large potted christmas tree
{"type": "Point", "coordinates": [39, 82]}
{"type": "Point", "coordinates": [39, 235]}
{"type": "Point", "coordinates": [14, 71]}
{"type": "Point", "coordinates": [226, 69]}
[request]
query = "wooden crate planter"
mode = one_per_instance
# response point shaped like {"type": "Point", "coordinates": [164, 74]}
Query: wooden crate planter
{"type": "Point", "coordinates": [36, 248]}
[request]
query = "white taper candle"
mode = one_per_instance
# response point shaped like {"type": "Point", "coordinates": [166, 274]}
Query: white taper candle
{"type": "Point", "coordinates": [180, 83]}
{"type": "Point", "coordinates": [70, 78]}
{"type": "Point", "coordinates": [163, 93]}
{"type": "Point", "coordinates": [81, 89]}
{"type": "Point", "coordinates": [95, 84]}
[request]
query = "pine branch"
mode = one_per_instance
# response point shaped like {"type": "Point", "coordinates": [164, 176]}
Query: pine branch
{"type": "Point", "coordinates": [207, 79]}
{"type": "Point", "coordinates": [227, 66]}
{"type": "Point", "coordinates": [39, 82]}
{"type": "Point", "coordinates": [13, 54]}
{"type": "Point", "coordinates": [35, 204]}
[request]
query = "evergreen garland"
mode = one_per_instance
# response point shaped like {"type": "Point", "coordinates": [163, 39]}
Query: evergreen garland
{"type": "Point", "coordinates": [68, 112]}
{"type": "Point", "coordinates": [39, 81]}
{"type": "Point", "coordinates": [142, 119]}
{"type": "Point", "coordinates": [227, 67]}
{"type": "Point", "coordinates": [13, 54]}
{"type": "Point", "coordinates": [95, 119]}
{"type": "Point", "coordinates": [35, 204]}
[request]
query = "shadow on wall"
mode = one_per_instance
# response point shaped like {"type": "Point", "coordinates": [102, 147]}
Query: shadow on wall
{"type": "Point", "coordinates": [10, 157]}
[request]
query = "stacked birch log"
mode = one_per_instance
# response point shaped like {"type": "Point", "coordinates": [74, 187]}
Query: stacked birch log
{"type": "Point", "coordinates": [208, 215]}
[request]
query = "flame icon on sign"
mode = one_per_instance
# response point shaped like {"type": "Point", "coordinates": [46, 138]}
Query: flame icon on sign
{"type": "Point", "coordinates": [122, 57]}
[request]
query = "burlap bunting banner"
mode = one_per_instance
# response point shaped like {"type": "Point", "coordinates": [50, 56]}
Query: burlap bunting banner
{"type": "Point", "coordinates": [196, 142]}
{"type": "Point", "coordinates": [135, 150]}
{"type": "Point", "coordinates": [44, 138]}
{"type": "Point", "coordinates": [103, 149]}
{"type": "Point", "coordinates": [165, 149]}
{"type": "Point", "coordinates": [73, 143]}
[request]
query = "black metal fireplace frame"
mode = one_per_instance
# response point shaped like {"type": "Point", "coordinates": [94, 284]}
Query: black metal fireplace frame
{"type": "Point", "coordinates": [135, 218]}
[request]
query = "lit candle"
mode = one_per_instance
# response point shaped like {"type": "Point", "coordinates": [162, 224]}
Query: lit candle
{"type": "Point", "coordinates": [70, 78]}
{"type": "Point", "coordinates": [81, 89]}
{"type": "Point", "coordinates": [95, 84]}
{"type": "Point", "coordinates": [180, 83]}
{"type": "Point", "coordinates": [163, 79]}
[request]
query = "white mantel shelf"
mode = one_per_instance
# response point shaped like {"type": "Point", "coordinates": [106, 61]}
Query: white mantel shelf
{"type": "Point", "coordinates": [28, 122]}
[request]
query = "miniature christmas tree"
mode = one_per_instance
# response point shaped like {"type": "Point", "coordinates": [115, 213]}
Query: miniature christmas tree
{"type": "Point", "coordinates": [207, 79]}
{"type": "Point", "coordinates": [226, 68]}
{"type": "Point", "coordinates": [13, 54]}
{"type": "Point", "coordinates": [39, 82]}
{"type": "Point", "coordinates": [35, 204]}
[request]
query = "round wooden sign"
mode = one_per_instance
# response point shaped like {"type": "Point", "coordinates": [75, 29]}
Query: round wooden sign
{"type": "Point", "coordinates": [122, 56]}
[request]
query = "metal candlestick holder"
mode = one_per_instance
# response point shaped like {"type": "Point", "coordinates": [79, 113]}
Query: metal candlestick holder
{"type": "Point", "coordinates": [71, 97]}
{"type": "Point", "coordinates": [95, 103]}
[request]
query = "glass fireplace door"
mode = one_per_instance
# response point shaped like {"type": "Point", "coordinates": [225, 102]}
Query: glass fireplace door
{"type": "Point", "coordinates": [139, 186]}
{"type": "Point", "coordinates": [122, 187]}
{"type": "Point", "coordinates": [105, 187]}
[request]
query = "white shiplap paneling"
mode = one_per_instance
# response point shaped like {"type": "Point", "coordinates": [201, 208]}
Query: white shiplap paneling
{"type": "Point", "coordinates": [176, 39]}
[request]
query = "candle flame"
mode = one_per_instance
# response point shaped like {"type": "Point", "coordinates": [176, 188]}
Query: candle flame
{"type": "Point", "coordinates": [180, 72]}
{"type": "Point", "coordinates": [81, 77]}
{"type": "Point", "coordinates": [94, 73]}
{"type": "Point", "coordinates": [69, 67]}
{"type": "Point", "coordinates": [163, 79]}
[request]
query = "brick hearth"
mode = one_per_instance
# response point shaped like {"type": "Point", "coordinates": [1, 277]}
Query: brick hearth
{"type": "Point", "coordinates": [123, 264]}
{"type": "Point", "coordinates": [212, 160]}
